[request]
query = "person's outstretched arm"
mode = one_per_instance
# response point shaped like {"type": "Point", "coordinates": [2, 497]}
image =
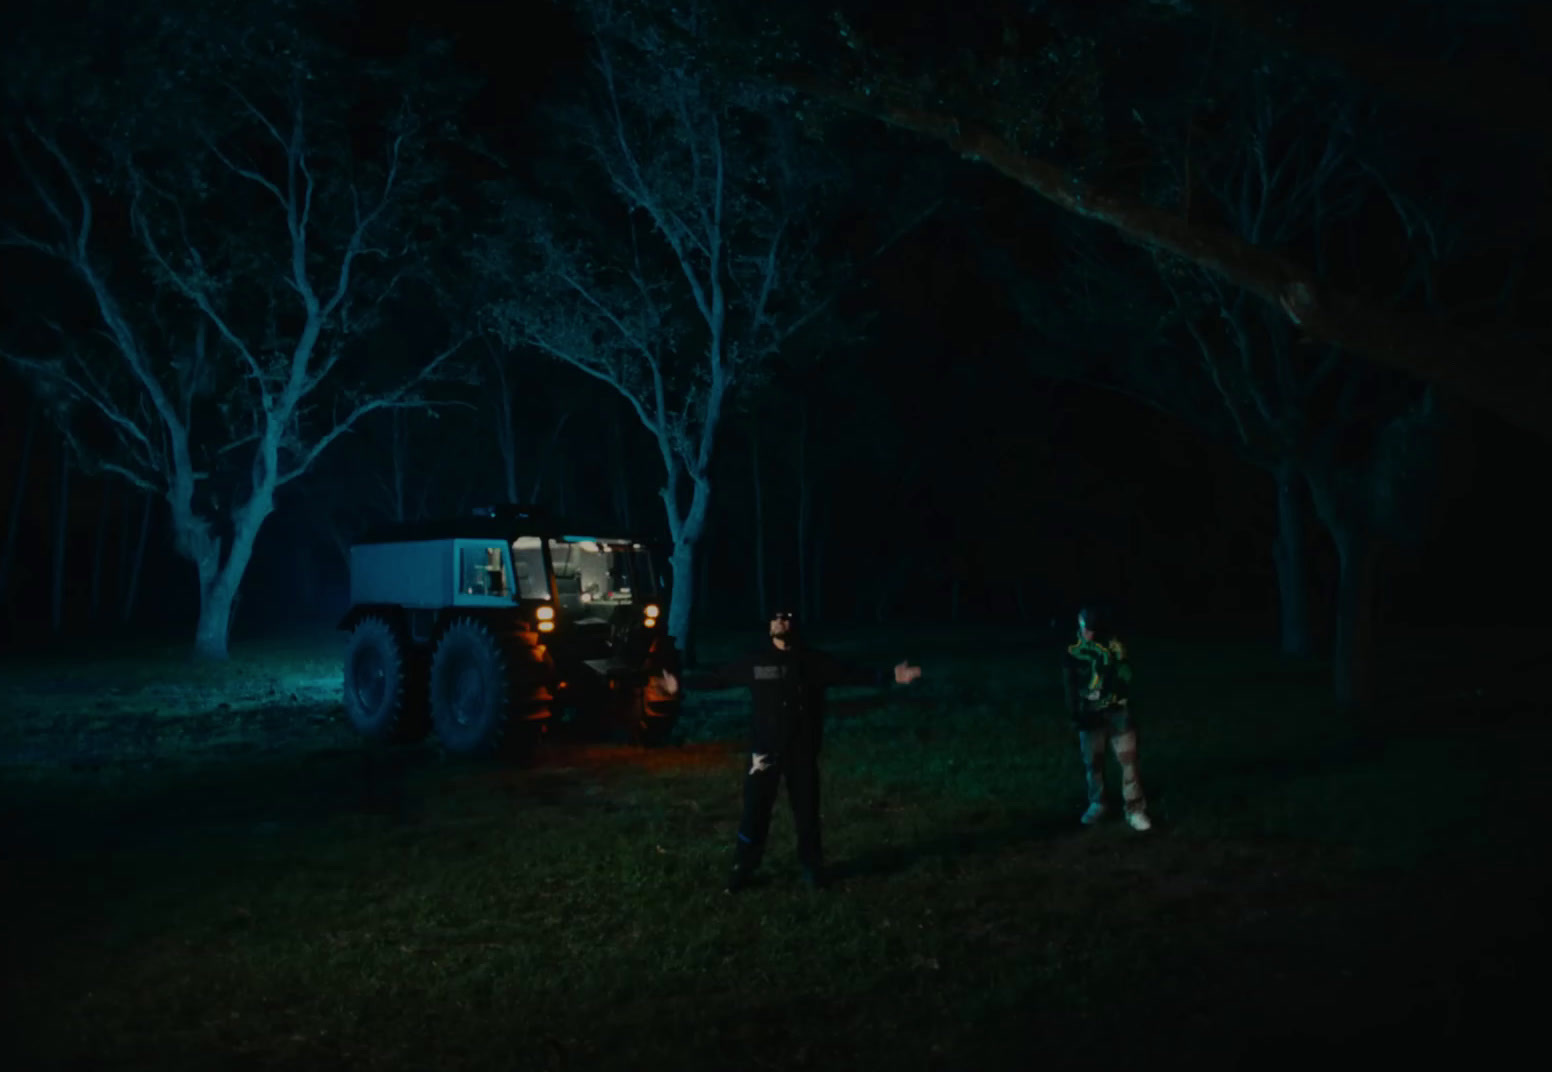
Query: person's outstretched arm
{"type": "Point", "coordinates": [728, 676]}
{"type": "Point", "coordinates": [828, 670]}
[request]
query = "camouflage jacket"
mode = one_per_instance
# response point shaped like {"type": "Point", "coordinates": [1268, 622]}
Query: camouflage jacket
{"type": "Point", "coordinates": [1096, 677]}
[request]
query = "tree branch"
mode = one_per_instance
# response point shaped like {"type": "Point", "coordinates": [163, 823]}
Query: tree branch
{"type": "Point", "coordinates": [141, 225]}
{"type": "Point", "coordinates": [672, 228]}
{"type": "Point", "coordinates": [242, 172]}
{"type": "Point", "coordinates": [357, 243]}
{"type": "Point", "coordinates": [396, 398]}
{"type": "Point", "coordinates": [1505, 374]}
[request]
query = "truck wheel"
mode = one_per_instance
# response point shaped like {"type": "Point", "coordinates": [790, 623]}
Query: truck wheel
{"type": "Point", "coordinates": [657, 713]}
{"type": "Point", "coordinates": [654, 731]}
{"type": "Point", "coordinates": [384, 684]}
{"type": "Point", "coordinates": [475, 684]}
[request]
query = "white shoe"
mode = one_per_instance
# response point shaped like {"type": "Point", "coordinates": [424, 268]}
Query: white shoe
{"type": "Point", "coordinates": [1095, 813]}
{"type": "Point", "coordinates": [1139, 820]}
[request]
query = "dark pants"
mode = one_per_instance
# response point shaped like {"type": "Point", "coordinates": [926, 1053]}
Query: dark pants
{"type": "Point", "coordinates": [762, 778]}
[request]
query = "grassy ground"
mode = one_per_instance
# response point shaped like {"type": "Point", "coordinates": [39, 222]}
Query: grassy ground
{"type": "Point", "coordinates": [203, 869]}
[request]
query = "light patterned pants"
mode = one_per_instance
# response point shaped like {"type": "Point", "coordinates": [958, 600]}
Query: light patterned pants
{"type": "Point", "coordinates": [1125, 745]}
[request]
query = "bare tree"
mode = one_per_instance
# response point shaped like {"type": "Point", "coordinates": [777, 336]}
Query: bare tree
{"type": "Point", "coordinates": [263, 241]}
{"type": "Point", "coordinates": [1359, 439]}
{"type": "Point", "coordinates": [1288, 173]}
{"type": "Point", "coordinates": [504, 415]}
{"type": "Point", "coordinates": [132, 555]}
{"type": "Point", "coordinates": [1013, 102]}
{"type": "Point", "coordinates": [522, 453]}
{"type": "Point", "coordinates": [18, 495]}
{"type": "Point", "coordinates": [63, 462]}
{"type": "Point", "coordinates": [709, 273]}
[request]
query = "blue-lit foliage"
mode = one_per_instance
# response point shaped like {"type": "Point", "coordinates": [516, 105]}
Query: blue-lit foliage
{"type": "Point", "coordinates": [235, 226]}
{"type": "Point", "coordinates": [680, 256]}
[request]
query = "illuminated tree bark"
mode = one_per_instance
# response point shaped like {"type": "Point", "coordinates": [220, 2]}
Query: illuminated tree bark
{"type": "Point", "coordinates": [264, 243]}
{"type": "Point", "coordinates": [711, 281]}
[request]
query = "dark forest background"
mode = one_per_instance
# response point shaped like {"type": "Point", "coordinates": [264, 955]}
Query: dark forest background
{"type": "Point", "coordinates": [1003, 408]}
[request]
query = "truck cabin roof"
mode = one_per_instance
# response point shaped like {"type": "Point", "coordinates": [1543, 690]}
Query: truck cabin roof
{"type": "Point", "coordinates": [479, 528]}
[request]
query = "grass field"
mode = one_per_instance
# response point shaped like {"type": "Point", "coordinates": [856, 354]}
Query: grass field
{"type": "Point", "coordinates": [203, 869]}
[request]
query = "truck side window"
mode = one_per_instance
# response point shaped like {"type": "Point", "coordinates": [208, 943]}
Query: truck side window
{"type": "Point", "coordinates": [482, 572]}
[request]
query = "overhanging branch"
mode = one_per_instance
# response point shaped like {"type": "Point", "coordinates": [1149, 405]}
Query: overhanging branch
{"type": "Point", "coordinates": [1511, 377]}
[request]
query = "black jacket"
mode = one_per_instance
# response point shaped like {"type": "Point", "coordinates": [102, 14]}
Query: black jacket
{"type": "Point", "coordinates": [1091, 666]}
{"type": "Point", "coordinates": [788, 689]}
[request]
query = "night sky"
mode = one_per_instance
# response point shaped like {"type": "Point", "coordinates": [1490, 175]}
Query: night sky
{"type": "Point", "coordinates": [940, 433]}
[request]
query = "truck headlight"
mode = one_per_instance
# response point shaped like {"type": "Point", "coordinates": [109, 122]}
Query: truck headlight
{"type": "Point", "coordinates": [545, 614]}
{"type": "Point", "coordinates": [650, 611]}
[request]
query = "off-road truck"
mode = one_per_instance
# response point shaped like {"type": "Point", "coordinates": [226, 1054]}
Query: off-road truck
{"type": "Point", "coordinates": [483, 627]}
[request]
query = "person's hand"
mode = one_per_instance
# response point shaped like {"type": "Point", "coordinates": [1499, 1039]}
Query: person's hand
{"type": "Point", "coordinates": [1092, 695]}
{"type": "Point", "coordinates": [668, 683]}
{"type": "Point", "coordinates": [905, 673]}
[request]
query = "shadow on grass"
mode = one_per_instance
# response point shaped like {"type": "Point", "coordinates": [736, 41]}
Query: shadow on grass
{"type": "Point", "coordinates": [263, 794]}
{"type": "Point", "coordinates": [1305, 760]}
{"type": "Point", "coordinates": [956, 846]}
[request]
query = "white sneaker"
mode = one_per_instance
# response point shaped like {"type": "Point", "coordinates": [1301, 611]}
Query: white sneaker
{"type": "Point", "coordinates": [1139, 820]}
{"type": "Point", "coordinates": [1095, 813]}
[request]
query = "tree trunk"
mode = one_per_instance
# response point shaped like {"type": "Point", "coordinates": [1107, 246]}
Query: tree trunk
{"type": "Point", "coordinates": [61, 534]}
{"type": "Point", "coordinates": [816, 612]}
{"type": "Point", "coordinates": [762, 592]}
{"type": "Point", "coordinates": [506, 430]}
{"type": "Point", "coordinates": [1352, 662]}
{"type": "Point", "coordinates": [18, 496]}
{"type": "Point", "coordinates": [542, 465]}
{"type": "Point", "coordinates": [1290, 556]}
{"type": "Point", "coordinates": [803, 508]}
{"type": "Point", "coordinates": [215, 619]}
{"type": "Point", "coordinates": [133, 566]}
{"type": "Point", "coordinates": [687, 530]}
{"type": "Point", "coordinates": [101, 543]}
{"type": "Point", "coordinates": [682, 561]}
{"type": "Point", "coordinates": [221, 580]}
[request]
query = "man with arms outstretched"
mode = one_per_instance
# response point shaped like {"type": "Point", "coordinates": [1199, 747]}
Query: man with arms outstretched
{"type": "Point", "coordinates": [787, 683]}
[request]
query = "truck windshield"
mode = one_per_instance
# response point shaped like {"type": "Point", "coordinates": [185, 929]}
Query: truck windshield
{"type": "Point", "coordinates": [528, 564]}
{"type": "Point", "coordinates": [595, 573]}
{"type": "Point", "coordinates": [643, 574]}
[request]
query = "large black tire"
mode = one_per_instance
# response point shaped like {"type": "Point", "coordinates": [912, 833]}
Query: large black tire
{"type": "Point", "coordinates": [485, 699]}
{"type": "Point", "coordinates": [655, 731]}
{"type": "Point", "coordinates": [385, 684]}
{"type": "Point", "coordinates": [656, 715]}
